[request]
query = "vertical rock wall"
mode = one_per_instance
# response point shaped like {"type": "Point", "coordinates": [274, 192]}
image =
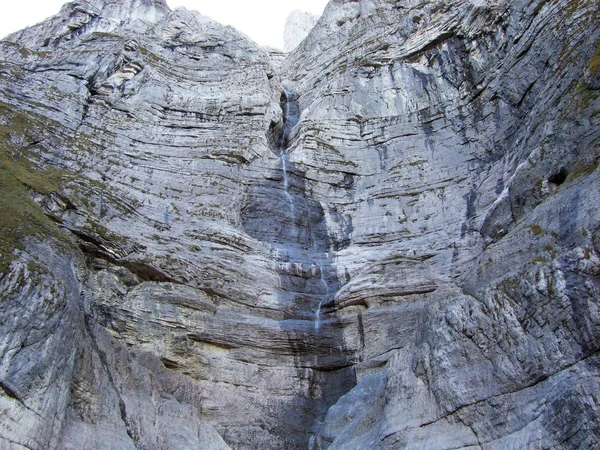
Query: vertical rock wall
{"type": "Point", "coordinates": [390, 241]}
{"type": "Point", "coordinates": [464, 139]}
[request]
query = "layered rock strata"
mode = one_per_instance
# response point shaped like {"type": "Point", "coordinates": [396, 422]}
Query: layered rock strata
{"type": "Point", "coordinates": [388, 240]}
{"type": "Point", "coordinates": [462, 140]}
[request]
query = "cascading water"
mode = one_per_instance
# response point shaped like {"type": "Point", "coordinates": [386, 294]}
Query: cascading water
{"type": "Point", "coordinates": [318, 316]}
{"type": "Point", "coordinates": [291, 112]}
{"type": "Point", "coordinates": [324, 286]}
{"type": "Point", "coordinates": [282, 213]}
{"type": "Point", "coordinates": [286, 183]}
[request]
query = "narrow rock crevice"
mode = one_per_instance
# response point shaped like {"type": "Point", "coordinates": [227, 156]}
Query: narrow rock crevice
{"type": "Point", "coordinates": [106, 366]}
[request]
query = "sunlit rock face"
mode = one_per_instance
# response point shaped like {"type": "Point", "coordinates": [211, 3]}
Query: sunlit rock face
{"type": "Point", "coordinates": [297, 27]}
{"type": "Point", "coordinates": [390, 239]}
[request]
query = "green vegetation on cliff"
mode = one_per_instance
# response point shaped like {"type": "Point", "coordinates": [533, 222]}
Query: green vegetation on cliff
{"type": "Point", "coordinates": [20, 216]}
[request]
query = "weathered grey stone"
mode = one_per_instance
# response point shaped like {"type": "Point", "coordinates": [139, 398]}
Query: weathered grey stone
{"type": "Point", "coordinates": [462, 175]}
{"type": "Point", "coordinates": [297, 26]}
{"type": "Point", "coordinates": [388, 239]}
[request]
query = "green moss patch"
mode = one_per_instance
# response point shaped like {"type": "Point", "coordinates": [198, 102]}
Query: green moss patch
{"type": "Point", "coordinates": [20, 216]}
{"type": "Point", "coordinates": [536, 229]}
{"type": "Point", "coordinates": [594, 64]}
{"type": "Point", "coordinates": [582, 169]}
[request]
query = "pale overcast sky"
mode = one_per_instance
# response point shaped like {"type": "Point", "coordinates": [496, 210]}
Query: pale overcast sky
{"type": "Point", "coordinates": [262, 20]}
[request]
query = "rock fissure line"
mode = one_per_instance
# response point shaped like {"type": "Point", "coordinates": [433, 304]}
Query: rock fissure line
{"type": "Point", "coordinates": [541, 380]}
{"type": "Point", "coordinates": [106, 367]}
{"type": "Point", "coordinates": [10, 441]}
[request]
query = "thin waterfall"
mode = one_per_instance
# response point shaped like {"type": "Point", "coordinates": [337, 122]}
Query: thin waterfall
{"type": "Point", "coordinates": [284, 213]}
{"type": "Point", "coordinates": [324, 296]}
{"type": "Point", "coordinates": [291, 113]}
{"type": "Point", "coordinates": [318, 316]}
{"type": "Point", "coordinates": [286, 183]}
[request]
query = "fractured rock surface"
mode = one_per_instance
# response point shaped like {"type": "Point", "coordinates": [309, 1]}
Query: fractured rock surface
{"type": "Point", "coordinates": [389, 239]}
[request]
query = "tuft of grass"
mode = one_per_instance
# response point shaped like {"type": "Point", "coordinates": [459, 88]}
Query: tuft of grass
{"type": "Point", "coordinates": [572, 8]}
{"type": "Point", "coordinates": [20, 216]}
{"type": "Point", "coordinates": [536, 229]}
{"type": "Point", "coordinates": [582, 169]}
{"type": "Point", "coordinates": [586, 95]}
{"type": "Point", "coordinates": [594, 64]}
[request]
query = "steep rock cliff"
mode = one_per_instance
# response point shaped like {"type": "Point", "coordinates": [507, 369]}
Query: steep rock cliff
{"type": "Point", "coordinates": [389, 240]}
{"type": "Point", "coordinates": [297, 26]}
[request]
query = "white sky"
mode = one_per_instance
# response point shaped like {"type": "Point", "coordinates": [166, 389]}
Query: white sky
{"type": "Point", "coordinates": [262, 20]}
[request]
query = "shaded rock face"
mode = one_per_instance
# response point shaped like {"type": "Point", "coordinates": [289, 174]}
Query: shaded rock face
{"type": "Point", "coordinates": [389, 240]}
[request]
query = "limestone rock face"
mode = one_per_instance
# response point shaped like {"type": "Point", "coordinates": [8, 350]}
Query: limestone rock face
{"type": "Point", "coordinates": [391, 239]}
{"type": "Point", "coordinates": [461, 141]}
{"type": "Point", "coordinates": [297, 26]}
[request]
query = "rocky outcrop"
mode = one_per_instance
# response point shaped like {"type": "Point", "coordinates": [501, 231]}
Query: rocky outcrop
{"type": "Point", "coordinates": [297, 26]}
{"type": "Point", "coordinates": [389, 240]}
